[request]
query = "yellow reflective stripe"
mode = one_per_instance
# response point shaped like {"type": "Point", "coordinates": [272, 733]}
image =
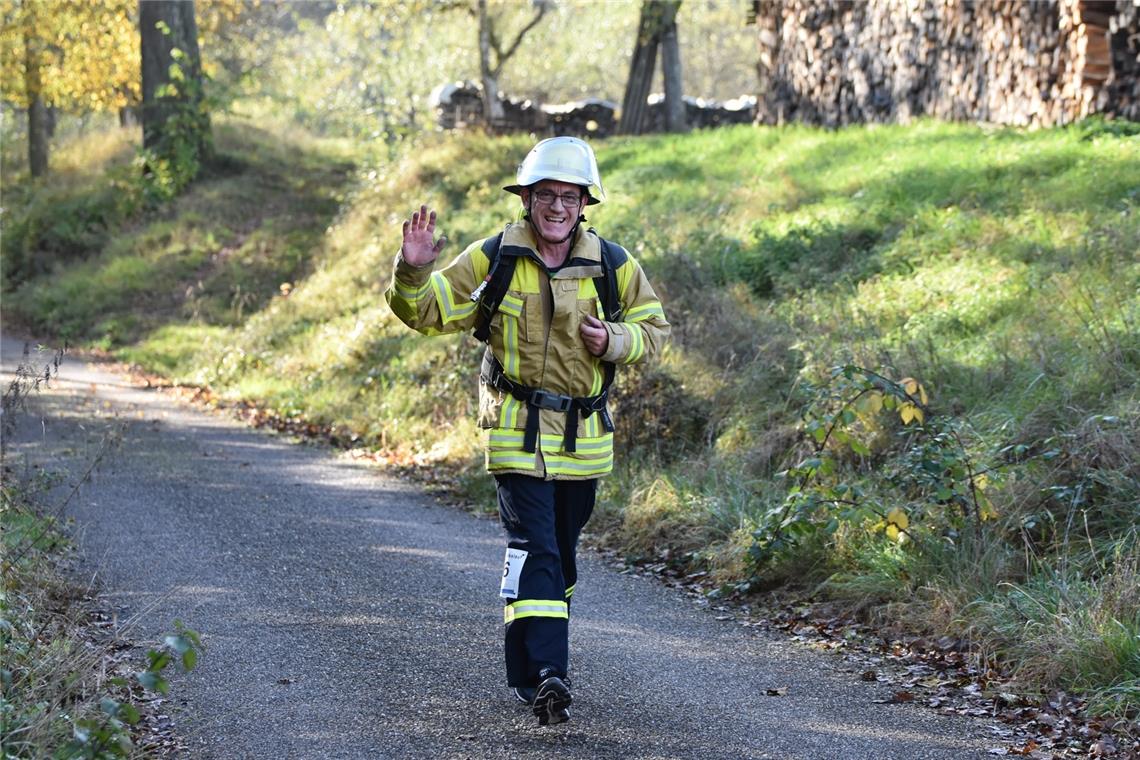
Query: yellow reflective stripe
{"type": "Point", "coordinates": [592, 425]}
{"type": "Point", "coordinates": [556, 464]}
{"type": "Point", "coordinates": [509, 412]}
{"type": "Point", "coordinates": [512, 305]}
{"type": "Point", "coordinates": [570, 591]}
{"type": "Point", "coordinates": [625, 274]}
{"type": "Point", "coordinates": [560, 465]}
{"type": "Point", "coordinates": [500, 460]}
{"type": "Point", "coordinates": [525, 608]}
{"type": "Point", "coordinates": [602, 444]}
{"type": "Point", "coordinates": [450, 309]}
{"type": "Point", "coordinates": [596, 385]}
{"type": "Point", "coordinates": [410, 294]}
{"type": "Point", "coordinates": [511, 347]}
{"type": "Point", "coordinates": [637, 339]}
{"type": "Point", "coordinates": [503, 438]}
{"type": "Point", "coordinates": [579, 461]}
{"type": "Point", "coordinates": [644, 312]}
{"type": "Point", "coordinates": [582, 445]}
{"type": "Point", "coordinates": [595, 471]}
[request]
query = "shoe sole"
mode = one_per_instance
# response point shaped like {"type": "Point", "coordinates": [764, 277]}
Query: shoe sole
{"type": "Point", "coordinates": [552, 702]}
{"type": "Point", "coordinates": [561, 716]}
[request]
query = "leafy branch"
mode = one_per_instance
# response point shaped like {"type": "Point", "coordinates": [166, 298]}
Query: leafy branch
{"type": "Point", "coordinates": [843, 419]}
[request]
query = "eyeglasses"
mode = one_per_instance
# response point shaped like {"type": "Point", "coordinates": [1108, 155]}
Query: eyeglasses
{"type": "Point", "coordinates": [569, 200]}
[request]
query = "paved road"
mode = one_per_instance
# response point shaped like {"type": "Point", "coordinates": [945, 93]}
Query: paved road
{"type": "Point", "coordinates": [348, 616]}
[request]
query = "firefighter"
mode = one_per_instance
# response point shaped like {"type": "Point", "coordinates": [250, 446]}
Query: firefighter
{"type": "Point", "coordinates": [559, 307]}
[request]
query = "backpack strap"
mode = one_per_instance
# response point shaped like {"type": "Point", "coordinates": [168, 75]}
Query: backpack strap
{"type": "Point", "coordinates": [613, 256]}
{"type": "Point", "coordinates": [491, 291]}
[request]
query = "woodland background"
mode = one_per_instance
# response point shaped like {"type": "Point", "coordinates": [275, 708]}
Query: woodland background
{"type": "Point", "coordinates": [902, 390]}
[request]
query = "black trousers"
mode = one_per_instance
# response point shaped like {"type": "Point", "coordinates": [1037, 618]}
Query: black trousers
{"type": "Point", "coordinates": [543, 518]}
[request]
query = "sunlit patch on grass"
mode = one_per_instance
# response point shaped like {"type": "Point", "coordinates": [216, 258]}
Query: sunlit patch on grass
{"type": "Point", "coordinates": [175, 350]}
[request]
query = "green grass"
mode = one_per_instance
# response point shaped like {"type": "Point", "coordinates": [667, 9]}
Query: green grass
{"type": "Point", "coordinates": [998, 267]}
{"type": "Point", "coordinates": [253, 221]}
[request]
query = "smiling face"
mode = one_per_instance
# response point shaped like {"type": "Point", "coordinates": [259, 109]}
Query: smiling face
{"type": "Point", "coordinates": [549, 213]}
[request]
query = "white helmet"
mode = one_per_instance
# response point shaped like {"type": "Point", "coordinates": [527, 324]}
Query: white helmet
{"type": "Point", "coordinates": [565, 159]}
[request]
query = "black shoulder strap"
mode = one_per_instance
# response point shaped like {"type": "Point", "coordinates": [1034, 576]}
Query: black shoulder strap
{"type": "Point", "coordinates": [490, 293]}
{"type": "Point", "coordinates": [613, 256]}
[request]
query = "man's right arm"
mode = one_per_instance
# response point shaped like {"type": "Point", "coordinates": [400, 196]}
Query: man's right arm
{"type": "Point", "coordinates": [434, 303]}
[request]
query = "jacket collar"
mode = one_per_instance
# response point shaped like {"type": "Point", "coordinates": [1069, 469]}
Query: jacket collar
{"type": "Point", "coordinates": [586, 251]}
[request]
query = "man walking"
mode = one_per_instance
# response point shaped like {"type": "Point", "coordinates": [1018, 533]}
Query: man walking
{"type": "Point", "coordinates": [558, 307]}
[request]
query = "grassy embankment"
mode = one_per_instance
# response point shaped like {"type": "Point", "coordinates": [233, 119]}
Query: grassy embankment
{"type": "Point", "coordinates": [996, 268]}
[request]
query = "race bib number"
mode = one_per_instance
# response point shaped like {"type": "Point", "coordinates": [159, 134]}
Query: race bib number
{"type": "Point", "coordinates": [512, 569]}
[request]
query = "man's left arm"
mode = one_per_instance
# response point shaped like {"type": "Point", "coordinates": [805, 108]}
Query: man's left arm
{"type": "Point", "coordinates": [643, 331]}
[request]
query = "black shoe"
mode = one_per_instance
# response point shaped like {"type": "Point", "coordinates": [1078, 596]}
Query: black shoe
{"type": "Point", "coordinates": [525, 694]}
{"type": "Point", "coordinates": [552, 700]}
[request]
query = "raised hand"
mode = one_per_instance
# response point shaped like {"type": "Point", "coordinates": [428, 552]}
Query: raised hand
{"type": "Point", "coordinates": [419, 248]}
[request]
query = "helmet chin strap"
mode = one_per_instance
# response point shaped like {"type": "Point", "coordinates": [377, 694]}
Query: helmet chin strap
{"type": "Point", "coordinates": [538, 233]}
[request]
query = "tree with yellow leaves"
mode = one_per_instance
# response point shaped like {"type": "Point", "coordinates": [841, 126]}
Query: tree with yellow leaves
{"type": "Point", "coordinates": [73, 55]}
{"type": "Point", "coordinates": [79, 56]}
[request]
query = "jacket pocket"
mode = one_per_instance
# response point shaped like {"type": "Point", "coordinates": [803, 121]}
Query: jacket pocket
{"type": "Point", "coordinates": [510, 332]}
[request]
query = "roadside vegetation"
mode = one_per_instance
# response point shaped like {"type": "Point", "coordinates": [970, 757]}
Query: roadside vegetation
{"type": "Point", "coordinates": [903, 377]}
{"type": "Point", "coordinates": [71, 684]}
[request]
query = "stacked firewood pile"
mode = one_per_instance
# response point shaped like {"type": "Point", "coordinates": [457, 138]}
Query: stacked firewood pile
{"type": "Point", "coordinates": [460, 105]}
{"type": "Point", "coordinates": [1019, 62]}
{"type": "Point", "coordinates": [583, 118]}
{"type": "Point", "coordinates": [1122, 90]}
{"type": "Point", "coordinates": [457, 105]}
{"type": "Point", "coordinates": [702, 114]}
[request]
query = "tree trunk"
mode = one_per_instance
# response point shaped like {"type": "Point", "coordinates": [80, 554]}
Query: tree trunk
{"type": "Point", "coordinates": [492, 107]}
{"type": "Point", "coordinates": [37, 138]}
{"type": "Point", "coordinates": [166, 26]}
{"type": "Point", "coordinates": [489, 42]}
{"type": "Point", "coordinates": [52, 121]}
{"type": "Point", "coordinates": [675, 120]}
{"type": "Point", "coordinates": [37, 110]}
{"type": "Point", "coordinates": [656, 15]}
{"type": "Point", "coordinates": [641, 68]}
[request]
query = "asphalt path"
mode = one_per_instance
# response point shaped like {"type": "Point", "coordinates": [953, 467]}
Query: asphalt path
{"type": "Point", "coordinates": [347, 615]}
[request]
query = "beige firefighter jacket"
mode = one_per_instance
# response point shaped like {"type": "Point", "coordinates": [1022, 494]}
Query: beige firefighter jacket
{"type": "Point", "coordinates": [535, 337]}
